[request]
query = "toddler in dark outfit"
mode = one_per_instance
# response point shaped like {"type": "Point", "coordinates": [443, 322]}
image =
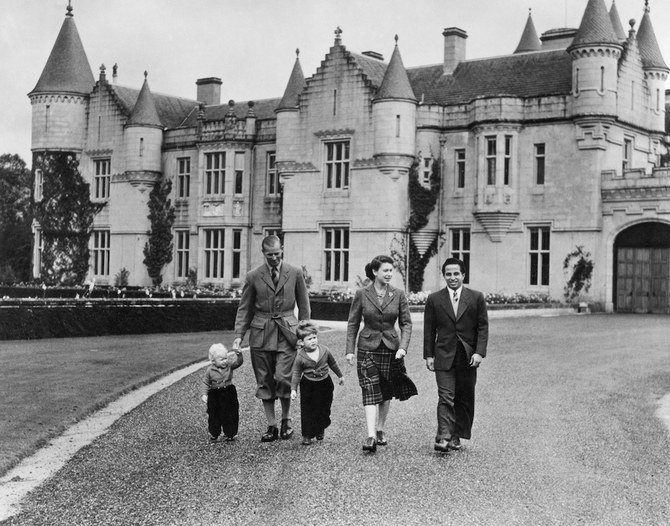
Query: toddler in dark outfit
{"type": "Point", "coordinates": [311, 369]}
{"type": "Point", "coordinates": [219, 393]}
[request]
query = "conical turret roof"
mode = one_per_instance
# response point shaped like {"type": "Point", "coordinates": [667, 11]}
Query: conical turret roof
{"type": "Point", "coordinates": [616, 22]}
{"type": "Point", "coordinates": [596, 26]}
{"type": "Point", "coordinates": [529, 39]}
{"type": "Point", "coordinates": [296, 83]}
{"type": "Point", "coordinates": [395, 84]}
{"type": "Point", "coordinates": [67, 69]}
{"type": "Point", "coordinates": [144, 112]}
{"type": "Point", "coordinates": [649, 49]}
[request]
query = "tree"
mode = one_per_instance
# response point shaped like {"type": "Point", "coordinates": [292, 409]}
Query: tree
{"type": "Point", "coordinates": [65, 215]}
{"type": "Point", "coordinates": [15, 219]}
{"type": "Point", "coordinates": [158, 250]}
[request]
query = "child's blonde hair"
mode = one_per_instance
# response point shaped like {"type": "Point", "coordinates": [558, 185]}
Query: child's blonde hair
{"type": "Point", "coordinates": [218, 350]}
{"type": "Point", "coordinates": [305, 328]}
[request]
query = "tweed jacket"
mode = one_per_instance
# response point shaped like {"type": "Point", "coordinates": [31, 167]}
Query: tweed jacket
{"type": "Point", "coordinates": [443, 328]}
{"type": "Point", "coordinates": [264, 310]}
{"type": "Point", "coordinates": [379, 320]}
{"type": "Point", "coordinates": [218, 377]}
{"type": "Point", "coordinates": [314, 371]}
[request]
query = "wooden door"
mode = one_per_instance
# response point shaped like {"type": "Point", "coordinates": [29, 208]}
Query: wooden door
{"type": "Point", "coordinates": [643, 277]}
{"type": "Point", "coordinates": [659, 300]}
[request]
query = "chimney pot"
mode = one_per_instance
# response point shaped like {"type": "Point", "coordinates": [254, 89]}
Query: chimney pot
{"type": "Point", "coordinates": [454, 48]}
{"type": "Point", "coordinates": [209, 90]}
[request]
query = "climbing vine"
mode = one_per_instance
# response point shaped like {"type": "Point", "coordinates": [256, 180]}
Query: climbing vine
{"type": "Point", "coordinates": [578, 262]}
{"type": "Point", "coordinates": [158, 250]}
{"type": "Point", "coordinates": [422, 202]}
{"type": "Point", "coordinates": [65, 215]}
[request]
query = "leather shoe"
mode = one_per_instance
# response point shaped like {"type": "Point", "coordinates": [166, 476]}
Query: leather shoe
{"type": "Point", "coordinates": [306, 441]}
{"type": "Point", "coordinates": [319, 436]}
{"type": "Point", "coordinates": [381, 438]}
{"type": "Point", "coordinates": [270, 435]}
{"type": "Point", "coordinates": [455, 443]}
{"type": "Point", "coordinates": [370, 444]}
{"type": "Point", "coordinates": [442, 446]}
{"type": "Point", "coordinates": [286, 429]}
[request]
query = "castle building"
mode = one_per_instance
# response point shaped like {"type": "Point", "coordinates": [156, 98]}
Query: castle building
{"type": "Point", "coordinates": [554, 146]}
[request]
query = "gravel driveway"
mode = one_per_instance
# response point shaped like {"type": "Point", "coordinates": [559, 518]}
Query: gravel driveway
{"type": "Point", "coordinates": [565, 434]}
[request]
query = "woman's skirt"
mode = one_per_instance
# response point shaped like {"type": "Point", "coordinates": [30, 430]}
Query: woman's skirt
{"type": "Point", "coordinates": [382, 377]}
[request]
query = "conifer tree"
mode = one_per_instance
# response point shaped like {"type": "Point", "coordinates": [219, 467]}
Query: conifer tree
{"type": "Point", "coordinates": [158, 250]}
{"type": "Point", "coordinates": [15, 219]}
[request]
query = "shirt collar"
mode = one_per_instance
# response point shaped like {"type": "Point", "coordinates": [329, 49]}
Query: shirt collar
{"type": "Point", "coordinates": [452, 292]}
{"type": "Point", "coordinates": [270, 267]}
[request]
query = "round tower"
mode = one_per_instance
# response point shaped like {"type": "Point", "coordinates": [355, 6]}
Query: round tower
{"type": "Point", "coordinates": [394, 117]}
{"type": "Point", "coordinates": [143, 135]}
{"type": "Point", "coordinates": [61, 96]}
{"type": "Point", "coordinates": [655, 71]}
{"type": "Point", "coordinates": [595, 52]}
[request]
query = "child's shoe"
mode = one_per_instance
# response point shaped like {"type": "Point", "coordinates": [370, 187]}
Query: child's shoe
{"type": "Point", "coordinates": [319, 436]}
{"type": "Point", "coordinates": [212, 440]}
{"type": "Point", "coordinates": [306, 441]}
{"type": "Point", "coordinates": [230, 438]}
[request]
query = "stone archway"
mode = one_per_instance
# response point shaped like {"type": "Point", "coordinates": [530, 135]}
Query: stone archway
{"type": "Point", "coordinates": [642, 268]}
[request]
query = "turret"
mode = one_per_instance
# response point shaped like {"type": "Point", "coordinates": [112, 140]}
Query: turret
{"type": "Point", "coordinates": [394, 116]}
{"type": "Point", "coordinates": [616, 23]}
{"type": "Point", "coordinates": [655, 70]}
{"type": "Point", "coordinates": [60, 98]}
{"type": "Point", "coordinates": [143, 135]}
{"type": "Point", "coordinates": [595, 52]}
{"type": "Point", "coordinates": [288, 113]}
{"type": "Point", "coordinates": [529, 40]}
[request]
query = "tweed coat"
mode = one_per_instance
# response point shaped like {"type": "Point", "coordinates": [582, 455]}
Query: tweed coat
{"type": "Point", "coordinates": [265, 310]}
{"type": "Point", "coordinates": [379, 320]}
{"type": "Point", "coordinates": [443, 328]}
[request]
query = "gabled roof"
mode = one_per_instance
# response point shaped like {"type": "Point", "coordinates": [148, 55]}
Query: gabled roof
{"type": "Point", "coordinates": [144, 112]}
{"type": "Point", "coordinates": [395, 84]}
{"type": "Point", "coordinates": [373, 68]}
{"type": "Point", "coordinates": [522, 75]}
{"type": "Point", "coordinates": [596, 26]}
{"type": "Point", "coordinates": [616, 22]}
{"type": "Point", "coordinates": [649, 49]}
{"type": "Point", "coordinates": [529, 39]}
{"type": "Point", "coordinates": [67, 69]}
{"type": "Point", "coordinates": [296, 83]}
{"type": "Point", "coordinates": [172, 111]}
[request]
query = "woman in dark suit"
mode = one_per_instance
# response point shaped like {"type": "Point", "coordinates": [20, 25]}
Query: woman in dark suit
{"type": "Point", "coordinates": [380, 364]}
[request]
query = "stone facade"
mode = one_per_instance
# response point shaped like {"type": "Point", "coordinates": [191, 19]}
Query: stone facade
{"type": "Point", "coordinates": [555, 146]}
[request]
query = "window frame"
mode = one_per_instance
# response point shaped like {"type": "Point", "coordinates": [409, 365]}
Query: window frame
{"type": "Point", "coordinates": [271, 175]}
{"type": "Point", "coordinates": [182, 253]}
{"type": "Point", "coordinates": [102, 178]}
{"type": "Point", "coordinates": [215, 176]}
{"type": "Point", "coordinates": [458, 248]}
{"type": "Point", "coordinates": [101, 252]}
{"type": "Point", "coordinates": [238, 183]}
{"type": "Point", "coordinates": [507, 160]}
{"type": "Point", "coordinates": [331, 165]}
{"type": "Point", "coordinates": [540, 163]}
{"type": "Point", "coordinates": [491, 155]}
{"type": "Point", "coordinates": [460, 167]}
{"type": "Point", "coordinates": [183, 177]}
{"type": "Point", "coordinates": [539, 256]}
{"type": "Point", "coordinates": [214, 256]}
{"type": "Point", "coordinates": [335, 259]}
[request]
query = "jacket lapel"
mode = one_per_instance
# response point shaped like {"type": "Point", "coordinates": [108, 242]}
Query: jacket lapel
{"type": "Point", "coordinates": [390, 294]}
{"type": "Point", "coordinates": [372, 295]}
{"type": "Point", "coordinates": [283, 277]}
{"type": "Point", "coordinates": [463, 302]}
{"type": "Point", "coordinates": [265, 276]}
{"type": "Point", "coordinates": [446, 303]}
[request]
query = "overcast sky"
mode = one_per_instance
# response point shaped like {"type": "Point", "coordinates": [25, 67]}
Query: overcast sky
{"type": "Point", "coordinates": [250, 44]}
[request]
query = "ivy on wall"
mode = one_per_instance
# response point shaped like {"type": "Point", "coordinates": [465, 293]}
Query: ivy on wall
{"type": "Point", "coordinates": [158, 249]}
{"type": "Point", "coordinates": [65, 215]}
{"type": "Point", "coordinates": [422, 202]}
{"type": "Point", "coordinates": [580, 266]}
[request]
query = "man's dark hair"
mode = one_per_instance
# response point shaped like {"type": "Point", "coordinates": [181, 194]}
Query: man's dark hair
{"type": "Point", "coordinates": [454, 261]}
{"type": "Point", "coordinates": [270, 242]}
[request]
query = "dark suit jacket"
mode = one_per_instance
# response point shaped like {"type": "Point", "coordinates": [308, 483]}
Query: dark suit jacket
{"type": "Point", "coordinates": [443, 328]}
{"type": "Point", "coordinates": [267, 311]}
{"type": "Point", "coordinates": [379, 320]}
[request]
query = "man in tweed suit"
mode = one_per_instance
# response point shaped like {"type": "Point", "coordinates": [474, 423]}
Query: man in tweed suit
{"type": "Point", "coordinates": [456, 333]}
{"type": "Point", "coordinates": [266, 310]}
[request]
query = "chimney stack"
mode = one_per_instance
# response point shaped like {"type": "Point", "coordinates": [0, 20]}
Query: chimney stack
{"type": "Point", "coordinates": [209, 91]}
{"type": "Point", "coordinates": [454, 48]}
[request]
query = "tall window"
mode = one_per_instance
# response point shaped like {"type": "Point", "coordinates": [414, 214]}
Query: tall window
{"type": "Point", "coordinates": [460, 168]}
{"type": "Point", "coordinates": [183, 259]}
{"type": "Point", "coordinates": [336, 254]}
{"type": "Point", "coordinates": [397, 125]}
{"type": "Point", "coordinates": [460, 248]}
{"type": "Point", "coordinates": [141, 146]}
{"type": "Point", "coordinates": [539, 256]}
{"type": "Point", "coordinates": [39, 243]}
{"type": "Point", "coordinates": [183, 177]}
{"type": "Point", "coordinates": [237, 252]}
{"type": "Point", "coordinates": [627, 154]}
{"type": "Point", "coordinates": [214, 250]}
{"type": "Point", "coordinates": [39, 184]}
{"type": "Point", "coordinates": [102, 177]}
{"type": "Point", "coordinates": [491, 161]}
{"type": "Point", "coordinates": [539, 163]}
{"type": "Point", "coordinates": [239, 172]}
{"type": "Point", "coordinates": [100, 252]}
{"type": "Point", "coordinates": [271, 175]}
{"type": "Point", "coordinates": [426, 170]}
{"type": "Point", "coordinates": [215, 173]}
{"type": "Point", "coordinates": [507, 173]}
{"type": "Point", "coordinates": [337, 164]}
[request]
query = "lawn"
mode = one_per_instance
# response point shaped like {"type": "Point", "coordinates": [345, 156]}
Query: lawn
{"type": "Point", "coordinates": [47, 385]}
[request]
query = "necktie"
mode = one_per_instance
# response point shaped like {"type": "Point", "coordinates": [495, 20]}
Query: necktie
{"type": "Point", "coordinates": [275, 276]}
{"type": "Point", "coordinates": [455, 301]}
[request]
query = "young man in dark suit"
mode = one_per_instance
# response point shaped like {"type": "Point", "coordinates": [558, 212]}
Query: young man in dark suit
{"type": "Point", "coordinates": [456, 331]}
{"type": "Point", "coordinates": [266, 310]}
